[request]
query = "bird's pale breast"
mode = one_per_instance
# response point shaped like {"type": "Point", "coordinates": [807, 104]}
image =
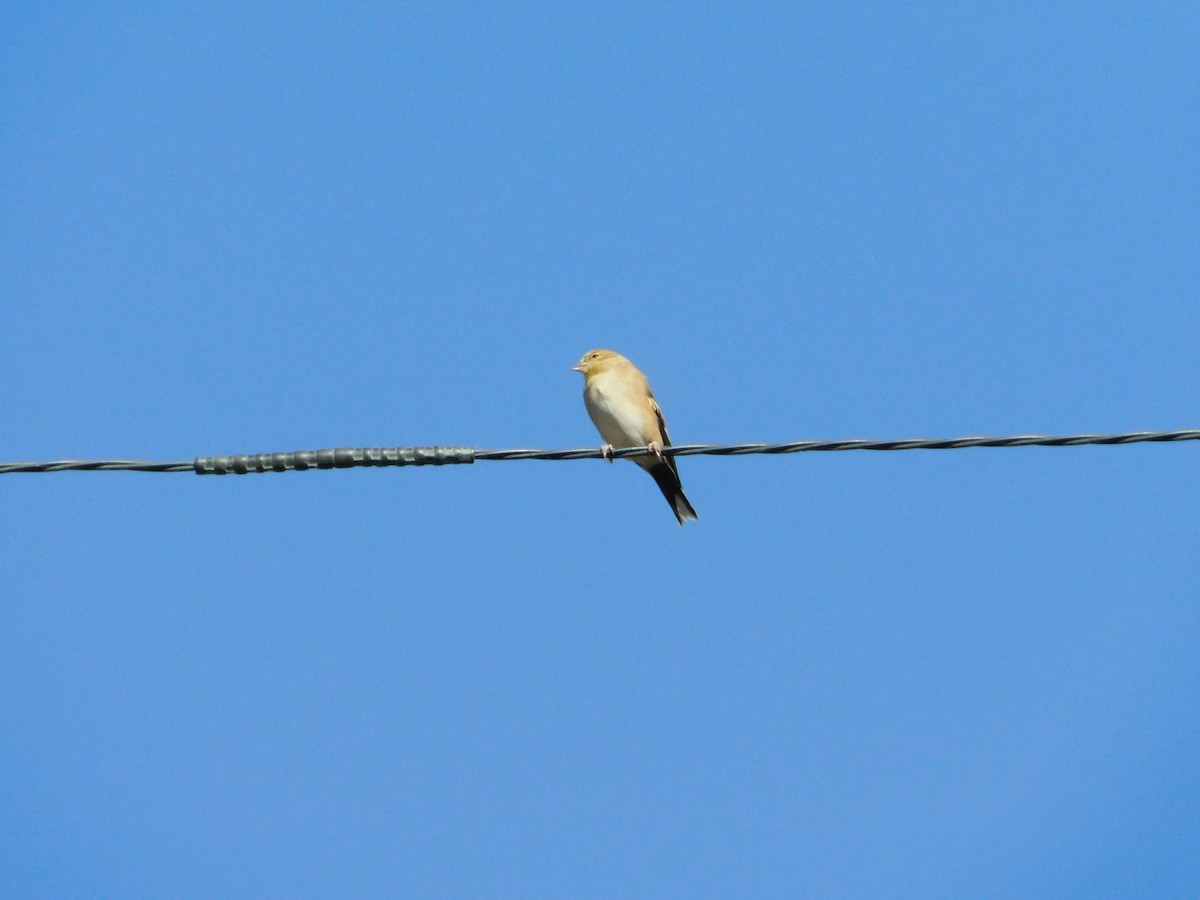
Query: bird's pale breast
{"type": "Point", "coordinates": [621, 414]}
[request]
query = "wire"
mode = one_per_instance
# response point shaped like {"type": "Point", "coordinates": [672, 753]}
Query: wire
{"type": "Point", "coordinates": [441, 456]}
{"type": "Point", "coordinates": [103, 465]}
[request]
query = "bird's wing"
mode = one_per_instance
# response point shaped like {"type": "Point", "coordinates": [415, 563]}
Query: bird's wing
{"type": "Point", "coordinates": [666, 438]}
{"type": "Point", "coordinates": [662, 423]}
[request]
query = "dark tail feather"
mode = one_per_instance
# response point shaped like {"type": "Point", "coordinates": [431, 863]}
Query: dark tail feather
{"type": "Point", "coordinates": [667, 480]}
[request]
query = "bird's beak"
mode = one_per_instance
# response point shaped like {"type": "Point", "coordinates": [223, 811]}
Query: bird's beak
{"type": "Point", "coordinates": [579, 368]}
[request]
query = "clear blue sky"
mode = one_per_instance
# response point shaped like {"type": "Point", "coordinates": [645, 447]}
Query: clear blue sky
{"type": "Point", "coordinates": [230, 229]}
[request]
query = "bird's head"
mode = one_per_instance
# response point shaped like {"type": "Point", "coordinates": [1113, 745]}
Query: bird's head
{"type": "Point", "coordinates": [596, 361]}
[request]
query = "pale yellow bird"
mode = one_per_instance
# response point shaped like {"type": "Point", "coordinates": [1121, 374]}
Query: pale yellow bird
{"type": "Point", "coordinates": [624, 411]}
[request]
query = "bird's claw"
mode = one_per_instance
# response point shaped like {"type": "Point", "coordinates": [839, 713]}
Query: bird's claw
{"type": "Point", "coordinates": [656, 448]}
{"type": "Point", "coordinates": [606, 452]}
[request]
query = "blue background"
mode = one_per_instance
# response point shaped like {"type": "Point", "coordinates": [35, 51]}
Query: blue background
{"type": "Point", "coordinates": [238, 229]}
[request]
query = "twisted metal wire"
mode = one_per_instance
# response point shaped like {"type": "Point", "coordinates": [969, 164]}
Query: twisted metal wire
{"type": "Point", "coordinates": [440, 456]}
{"type": "Point", "coordinates": [102, 465]}
{"type": "Point", "coordinates": [1024, 440]}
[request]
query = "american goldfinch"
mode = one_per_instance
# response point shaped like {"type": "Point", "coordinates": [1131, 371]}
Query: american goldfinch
{"type": "Point", "coordinates": [624, 411]}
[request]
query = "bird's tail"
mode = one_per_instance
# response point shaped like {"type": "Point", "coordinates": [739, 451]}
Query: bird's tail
{"type": "Point", "coordinates": [667, 479]}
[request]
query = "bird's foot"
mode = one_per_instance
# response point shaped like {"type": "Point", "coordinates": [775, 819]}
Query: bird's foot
{"type": "Point", "coordinates": [606, 453]}
{"type": "Point", "coordinates": [656, 448]}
